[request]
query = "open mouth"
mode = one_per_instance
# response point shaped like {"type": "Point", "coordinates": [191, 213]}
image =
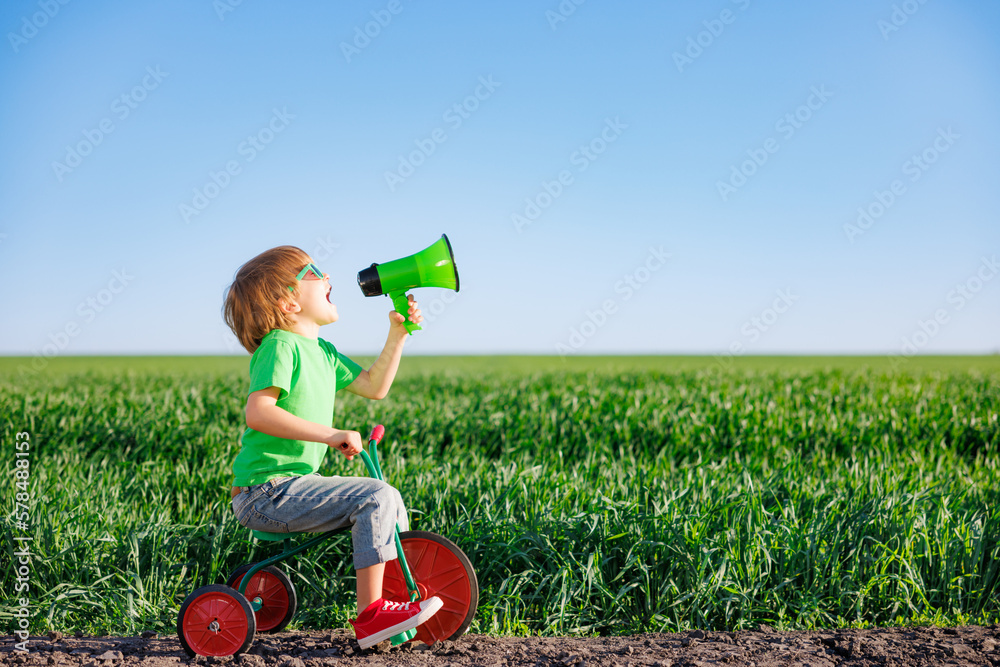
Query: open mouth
{"type": "Point", "coordinates": [328, 295]}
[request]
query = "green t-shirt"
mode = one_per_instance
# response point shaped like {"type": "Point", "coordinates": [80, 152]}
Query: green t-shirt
{"type": "Point", "coordinates": [309, 373]}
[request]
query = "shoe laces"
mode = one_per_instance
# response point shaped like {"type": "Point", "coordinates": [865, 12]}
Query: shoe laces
{"type": "Point", "coordinates": [395, 606]}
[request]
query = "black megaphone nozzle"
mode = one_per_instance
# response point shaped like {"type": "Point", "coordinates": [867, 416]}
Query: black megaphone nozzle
{"type": "Point", "coordinates": [369, 281]}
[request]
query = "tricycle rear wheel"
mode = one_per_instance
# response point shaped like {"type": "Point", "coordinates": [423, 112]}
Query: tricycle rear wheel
{"type": "Point", "coordinates": [279, 601]}
{"type": "Point", "coordinates": [215, 620]}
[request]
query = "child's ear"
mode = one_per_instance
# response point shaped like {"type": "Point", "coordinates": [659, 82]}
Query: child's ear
{"type": "Point", "coordinates": [289, 306]}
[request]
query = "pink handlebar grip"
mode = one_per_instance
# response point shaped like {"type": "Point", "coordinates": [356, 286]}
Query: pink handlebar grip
{"type": "Point", "coordinates": [377, 434]}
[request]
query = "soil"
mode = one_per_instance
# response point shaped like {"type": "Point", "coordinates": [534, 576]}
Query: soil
{"type": "Point", "coordinates": [969, 645]}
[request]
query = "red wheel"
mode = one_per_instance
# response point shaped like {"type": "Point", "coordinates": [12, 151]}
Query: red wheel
{"type": "Point", "coordinates": [440, 568]}
{"type": "Point", "coordinates": [276, 594]}
{"type": "Point", "coordinates": [216, 620]}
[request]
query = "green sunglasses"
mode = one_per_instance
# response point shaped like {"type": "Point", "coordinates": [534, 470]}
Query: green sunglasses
{"type": "Point", "coordinates": [309, 272]}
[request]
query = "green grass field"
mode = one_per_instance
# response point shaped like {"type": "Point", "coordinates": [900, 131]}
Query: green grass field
{"type": "Point", "coordinates": [593, 495]}
{"type": "Point", "coordinates": [14, 367]}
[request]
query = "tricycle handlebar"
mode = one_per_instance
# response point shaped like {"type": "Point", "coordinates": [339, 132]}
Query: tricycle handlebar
{"type": "Point", "coordinates": [377, 434]}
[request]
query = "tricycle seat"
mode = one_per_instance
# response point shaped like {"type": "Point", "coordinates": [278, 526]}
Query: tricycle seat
{"type": "Point", "coordinates": [272, 537]}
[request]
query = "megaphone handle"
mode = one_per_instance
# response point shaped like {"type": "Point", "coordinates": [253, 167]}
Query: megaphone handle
{"type": "Point", "coordinates": [402, 305]}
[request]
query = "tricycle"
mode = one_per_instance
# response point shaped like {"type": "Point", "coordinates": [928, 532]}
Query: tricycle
{"type": "Point", "coordinates": [222, 619]}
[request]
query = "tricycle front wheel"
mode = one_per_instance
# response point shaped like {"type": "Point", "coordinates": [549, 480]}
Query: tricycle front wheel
{"type": "Point", "coordinates": [440, 568]}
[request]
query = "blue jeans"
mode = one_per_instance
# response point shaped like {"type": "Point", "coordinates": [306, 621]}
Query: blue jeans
{"type": "Point", "coordinates": [316, 504]}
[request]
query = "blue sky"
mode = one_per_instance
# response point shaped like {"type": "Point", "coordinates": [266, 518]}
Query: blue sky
{"type": "Point", "coordinates": [641, 177]}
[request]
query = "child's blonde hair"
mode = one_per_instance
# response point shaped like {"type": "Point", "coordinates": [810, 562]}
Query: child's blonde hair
{"type": "Point", "coordinates": [252, 303]}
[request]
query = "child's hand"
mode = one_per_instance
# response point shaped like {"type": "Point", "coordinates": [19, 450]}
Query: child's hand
{"type": "Point", "coordinates": [398, 321]}
{"type": "Point", "coordinates": [347, 443]}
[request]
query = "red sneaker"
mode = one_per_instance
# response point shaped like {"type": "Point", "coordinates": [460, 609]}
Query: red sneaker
{"type": "Point", "coordinates": [384, 618]}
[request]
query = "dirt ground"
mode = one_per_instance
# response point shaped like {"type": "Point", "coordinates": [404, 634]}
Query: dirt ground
{"type": "Point", "coordinates": [887, 646]}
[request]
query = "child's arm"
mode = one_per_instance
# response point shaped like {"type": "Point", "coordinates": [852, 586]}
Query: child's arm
{"type": "Point", "coordinates": [264, 416]}
{"type": "Point", "coordinates": [375, 382]}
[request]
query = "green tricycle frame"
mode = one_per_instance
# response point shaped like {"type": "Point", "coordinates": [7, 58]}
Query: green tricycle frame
{"type": "Point", "coordinates": [258, 597]}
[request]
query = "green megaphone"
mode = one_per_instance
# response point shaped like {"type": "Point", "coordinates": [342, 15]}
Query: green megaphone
{"type": "Point", "coordinates": [434, 266]}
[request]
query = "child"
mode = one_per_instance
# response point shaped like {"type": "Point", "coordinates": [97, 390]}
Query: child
{"type": "Point", "coordinates": [275, 306]}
